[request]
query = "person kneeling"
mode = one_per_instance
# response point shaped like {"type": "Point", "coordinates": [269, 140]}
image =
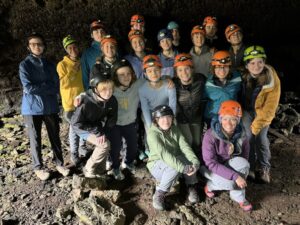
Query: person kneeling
{"type": "Point", "coordinates": [225, 150]}
{"type": "Point", "coordinates": [97, 113]}
{"type": "Point", "coordinates": [170, 156]}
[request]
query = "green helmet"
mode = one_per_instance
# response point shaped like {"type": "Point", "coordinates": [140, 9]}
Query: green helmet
{"type": "Point", "coordinates": [68, 40]}
{"type": "Point", "coordinates": [253, 52]}
{"type": "Point", "coordinates": [172, 25]}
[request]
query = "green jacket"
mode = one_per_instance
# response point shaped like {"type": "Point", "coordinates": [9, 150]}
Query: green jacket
{"type": "Point", "coordinates": [170, 147]}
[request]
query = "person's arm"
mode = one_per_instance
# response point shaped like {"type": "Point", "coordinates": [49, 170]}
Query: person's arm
{"type": "Point", "coordinates": [62, 74]}
{"type": "Point", "coordinates": [172, 99]}
{"type": "Point", "coordinates": [210, 159]}
{"type": "Point", "coordinates": [112, 116]}
{"type": "Point", "coordinates": [145, 107]}
{"type": "Point", "coordinates": [85, 71]}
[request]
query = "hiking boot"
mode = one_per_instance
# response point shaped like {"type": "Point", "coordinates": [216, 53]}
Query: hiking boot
{"type": "Point", "coordinates": [192, 194]}
{"type": "Point", "coordinates": [131, 167]}
{"type": "Point", "coordinates": [251, 175]}
{"type": "Point", "coordinates": [63, 170]}
{"type": "Point", "coordinates": [75, 160]}
{"type": "Point", "coordinates": [159, 200]}
{"type": "Point", "coordinates": [208, 193]}
{"type": "Point", "coordinates": [118, 175]}
{"type": "Point", "coordinates": [42, 174]}
{"type": "Point", "coordinates": [246, 206]}
{"type": "Point", "coordinates": [142, 156]}
{"type": "Point", "coordinates": [264, 176]}
{"type": "Point", "coordinates": [108, 165]}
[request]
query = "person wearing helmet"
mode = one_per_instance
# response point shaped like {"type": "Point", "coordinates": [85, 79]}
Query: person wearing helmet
{"type": "Point", "coordinates": [96, 114]}
{"type": "Point", "coordinates": [71, 85]}
{"type": "Point", "coordinates": [225, 151]}
{"type": "Point", "coordinates": [260, 99]}
{"type": "Point", "coordinates": [126, 93]}
{"type": "Point", "coordinates": [170, 157]}
{"type": "Point", "coordinates": [200, 52]}
{"type": "Point", "coordinates": [210, 25]}
{"type": "Point", "coordinates": [137, 22]}
{"type": "Point", "coordinates": [168, 53]}
{"type": "Point", "coordinates": [105, 63]}
{"type": "Point", "coordinates": [234, 36]}
{"type": "Point", "coordinates": [174, 28]}
{"type": "Point", "coordinates": [88, 58]}
{"type": "Point", "coordinates": [222, 84]}
{"type": "Point", "coordinates": [39, 104]}
{"type": "Point", "coordinates": [155, 91]}
{"type": "Point", "coordinates": [189, 89]}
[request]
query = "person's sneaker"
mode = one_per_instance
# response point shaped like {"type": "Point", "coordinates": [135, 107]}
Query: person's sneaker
{"type": "Point", "coordinates": [264, 176]}
{"type": "Point", "coordinates": [42, 174]}
{"type": "Point", "coordinates": [159, 200]}
{"type": "Point", "coordinates": [251, 175]}
{"type": "Point", "coordinates": [75, 160]}
{"type": "Point", "coordinates": [63, 170]}
{"type": "Point", "coordinates": [208, 193]}
{"type": "Point", "coordinates": [117, 173]}
{"type": "Point", "coordinates": [192, 195]}
{"type": "Point", "coordinates": [147, 152]}
{"type": "Point", "coordinates": [246, 206]}
{"type": "Point", "coordinates": [142, 156]}
{"type": "Point", "coordinates": [131, 167]}
{"type": "Point", "coordinates": [108, 165]}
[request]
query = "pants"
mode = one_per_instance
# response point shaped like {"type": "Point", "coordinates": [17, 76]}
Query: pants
{"type": "Point", "coordinates": [96, 162]}
{"type": "Point", "coordinates": [259, 144]}
{"type": "Point", "coordinates": [34, 126]}
{"type": "Point", "coordinates": [217, 183]}
{"type": "Point", "coordinates": [115, 135]}
{"type": "Point", "coordinates": [167, 176]}
{"type": "Point", "coordinates": [77, 144]}
{"type": "Point", "coordinates": [193, 135]}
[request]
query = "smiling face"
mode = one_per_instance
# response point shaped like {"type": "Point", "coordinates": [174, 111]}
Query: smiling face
{"type": "Point", "coordinates": [166, 44]}
{"type": "Point", "coordinates": [198, 39]}
{"type": "Point", "coordinates": [164, 122]}
{"type": "Point", "coordinates": [105, 90]}
{"type": "Point", "coordinates": [109, 50]}
{"type": "Point", "coordinates": [138, 44]}
{"type": "Point", "coordinates": [72, 51]}
{"type": "Point", "coordinates": [153, 73]}
{"type": "Point", "coordinates": [221, 72]}
{"type": "Point", "coordinates": [211, 30]}
{"type": "Point", "coordinates": [98, 34]}
{"type": "Point", "coordinates": [125, 76]}
{"type": "Point", "coordinates": [36, 46]}
{"type": "Point", "coordinates": [236, 38]}
{"type": "Point", "coordinates": [229, 123]}
{"type": "Point", "coordinates": [256, 66]}
{"type": "Point", "coordinates": [184, 73]}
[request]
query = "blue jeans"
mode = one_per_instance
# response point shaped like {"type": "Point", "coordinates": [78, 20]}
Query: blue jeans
{"type": "Point", "coordinates": [259, 145]}
{"type": "Point", "coordinates": [167, 176]}
{"type": "Point", "coordinates": [218, 183]}
{"type": "Point", "coordinates": [77, 144]}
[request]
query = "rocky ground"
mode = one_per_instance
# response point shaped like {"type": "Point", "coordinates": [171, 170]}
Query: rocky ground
{"type": "Point", "coordinates": [63, 200]}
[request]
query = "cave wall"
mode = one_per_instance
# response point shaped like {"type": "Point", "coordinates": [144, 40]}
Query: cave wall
{"type": "Point", "coordinates": [271, 23]}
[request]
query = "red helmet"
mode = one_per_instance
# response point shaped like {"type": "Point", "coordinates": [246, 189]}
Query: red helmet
{"type": "Point", "coordinates": [231, 108]}
{"type": "Point", "coordinates": [135, 33]}
{"type": "Point", "coordinates": [231, 29]}
{"type": "Point", "coordinates": [151, 60]}
{"type": "Point", "coordinates": [221, 58]}
{"type": "Point", "coordinates": [97, 24]}
{"type": "Point", "coordinates": [137, 19]}
{"type": "Point", "coordinates": [183, 59]}
{"type": "Point", "coordinates": [210, 20]}
{"type": "Point", "coordinates": [198, 29]}
{"type": "Point", "coordinates": [108, 38]}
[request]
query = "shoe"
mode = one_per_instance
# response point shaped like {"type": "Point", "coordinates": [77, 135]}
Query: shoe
{"type": "Point", "coordinates": [159, 200]}
{"type": "Point", "coordinates": [63, 170]}
{"type": "Point", "coordinates": [131, 167]}
{"type": "Point", "coordinates": [88, 174]}
{"type": "Point", "coordinates": [108, 165]}
{"type": "Point", "coordinates": [75, 160]}
{"type": "Point", "coordinates": [246, 206]}
{"type": "Point", "coordinates": [117, 173]}
{"type": "Point", "coordinates": [142, 155]}
{"type": "Point", "coordinates": [208, 193]}
{"type": "Point", "coordinates": [264, 176]}
{"type": "Point", "coordinates": [42, 174]}
{"type": "Point", "coordinates": [147, 152]}
{"type": "Point", "coordinates": [251, 175]}
{"type": "Point", "coordinates": [192, 195]}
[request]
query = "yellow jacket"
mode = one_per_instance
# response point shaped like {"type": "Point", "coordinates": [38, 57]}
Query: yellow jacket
{"type": "Point", "coordinates": [71, 84]}
{"type": "Point", "coordinates": [266, 102]}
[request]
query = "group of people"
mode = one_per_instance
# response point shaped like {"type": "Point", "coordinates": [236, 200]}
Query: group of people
{"type": "Point", "coordinates": [231, 95]}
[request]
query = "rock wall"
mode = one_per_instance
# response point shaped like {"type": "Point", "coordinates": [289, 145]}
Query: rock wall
{"type": "Point", "coordinates": [271, 23]}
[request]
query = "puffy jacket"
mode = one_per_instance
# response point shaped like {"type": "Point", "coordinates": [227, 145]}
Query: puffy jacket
{"type": "Point", "coordinates": [216, 147]}
{"type": "Point", "coordinates": [88, 59]}
{"type": "Point", "coordinates": [70, 77]}
{"type": "Point", "coordinates": [216, 94]}
{"type": "Point", "coordinates": [266, 101]}
{"type": "Point", "coordinates": [102, 68]}
{"type": "Point", "coordinates": [168, 146]}
{"type": "Point", "coordinates": [40, 86]}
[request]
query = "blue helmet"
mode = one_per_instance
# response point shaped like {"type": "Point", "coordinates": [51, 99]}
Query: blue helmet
{"type": "Point", "coordinates": [172, 25]}
{"type": "Point", "coordinates": [164, 33]}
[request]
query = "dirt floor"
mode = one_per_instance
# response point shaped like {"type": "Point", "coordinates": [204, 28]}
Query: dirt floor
{"type": "Point", "coordinates": [26, 200]}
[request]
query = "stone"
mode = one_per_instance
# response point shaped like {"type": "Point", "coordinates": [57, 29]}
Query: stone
{"type": "Point", "coordinates": [64, 211]}
{"type": "Point", "coordinates": [77, 194]}
{"type": "Point", "coordinates": [98, 183]}
{"type": "Point", "coordinates": [190, 216]}
{"type": "Point", "coordinates": [111, 195]}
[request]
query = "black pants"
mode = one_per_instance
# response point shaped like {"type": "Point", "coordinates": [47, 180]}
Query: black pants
{"type": "Point", "coordinates": [34, 126]}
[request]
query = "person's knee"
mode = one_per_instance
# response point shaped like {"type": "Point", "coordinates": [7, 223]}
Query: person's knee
{"type": "Point", "coordinates": [239, 164]}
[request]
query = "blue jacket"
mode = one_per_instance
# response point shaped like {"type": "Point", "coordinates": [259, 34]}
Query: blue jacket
{"type": "Point", "coordinates": [137, 65]}
{"type": "Point", "coordinates": [216, 94]}
{"type": "Point", "coordinates": [40, 86]}
{"type": "Point", "coordinates": [167, 64]}
{"type": "Point", "coordinates": [88, 59]}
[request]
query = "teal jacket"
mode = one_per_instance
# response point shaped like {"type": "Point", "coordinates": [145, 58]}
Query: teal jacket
{"type": "Point", "coordinates": [168, 146]}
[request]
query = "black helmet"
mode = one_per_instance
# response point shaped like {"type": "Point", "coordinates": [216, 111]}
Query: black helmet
{"type": "Point", "coordinates": [97, 79]}
{"type": "Point", "coordinates": [161, 110]}
{"type": "Point", "coordinates": [117, 65]}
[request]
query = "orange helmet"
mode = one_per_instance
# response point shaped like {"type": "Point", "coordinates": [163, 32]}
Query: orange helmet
{"type": "Point", "coordinates": [97, 24]}
{"type": "Point", "coordinates": [198, 29]}
{"type": "Point", "coordinates": [151, 60]}
{"type": "Point", "coordinates": [183, 59]}
{"type": "Point", "coordinates": [210, 20]}
{"type": "Point", "coordinates": [221, 58]}
{"type": "Point", "coordinates": [108, 38]}
{"type": "Point", "coordinates": [231, 108]}
{"type": "Point", "coordinates": [232, 28]}
{"type": "Point", "coordinates": [135, 33]}
{"type": "Point", "coordinates": [137, 19]}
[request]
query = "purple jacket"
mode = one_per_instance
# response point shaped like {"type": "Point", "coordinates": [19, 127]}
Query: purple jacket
{"type": "Point", "coordinates": [215, 151]}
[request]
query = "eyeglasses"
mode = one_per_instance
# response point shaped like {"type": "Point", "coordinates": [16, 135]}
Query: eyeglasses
{"type": "Point", "coordinates": [39, 44]}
